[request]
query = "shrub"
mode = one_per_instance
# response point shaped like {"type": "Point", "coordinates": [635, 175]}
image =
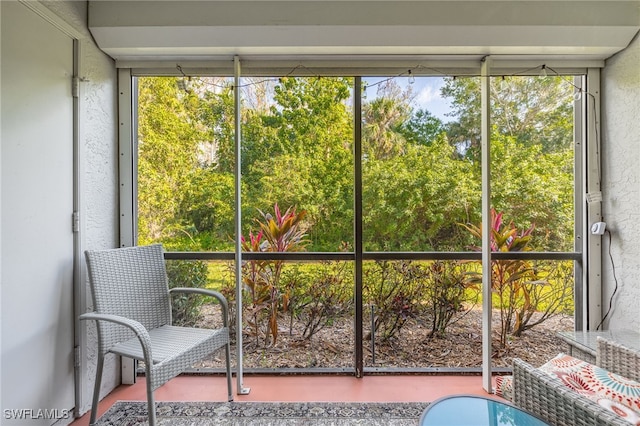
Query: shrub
{"type": "Point", "coordinates": [395, 289]}
{"type": "Point", "coordinates": [318, 297]}
{"type": "Point", "coordinates": [552, 294]}
{"type": "Point", "coordinates": [446, 293]}
{"type": "Point", "coordinates": [185, 308]}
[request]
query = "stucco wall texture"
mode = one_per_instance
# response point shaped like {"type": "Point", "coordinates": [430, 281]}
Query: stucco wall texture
{"type": "Point", "coordinates": [621, 187]}
{"type": "Point", "coordinates": [98, 158]}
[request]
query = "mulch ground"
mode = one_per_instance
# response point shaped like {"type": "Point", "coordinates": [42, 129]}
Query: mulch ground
{"type": "Point", "coordinates": [413, 347]}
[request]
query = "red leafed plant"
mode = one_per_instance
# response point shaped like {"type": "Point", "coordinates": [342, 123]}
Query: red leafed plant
{"type": "Point", "coordinates": [280, 232]}
{"type": "Point", "coordinates": [511, 280]}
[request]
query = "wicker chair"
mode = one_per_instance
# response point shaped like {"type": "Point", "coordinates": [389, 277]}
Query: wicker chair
{"type": "Point", "coordinates": [547, 398]}
{"type": "Point", "coordinates": [133, 314]}
{"type": "Point", "coordinates": [618, 359]}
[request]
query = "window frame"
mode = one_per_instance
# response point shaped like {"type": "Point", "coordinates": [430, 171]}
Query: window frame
{"type": "Point", "coordinates": [586, 75]}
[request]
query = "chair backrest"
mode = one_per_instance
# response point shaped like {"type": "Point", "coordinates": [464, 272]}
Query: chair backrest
{"type": "Point", "coordinates": [617, 358]}
{"type": "Point", "coordinates": [130, 282]}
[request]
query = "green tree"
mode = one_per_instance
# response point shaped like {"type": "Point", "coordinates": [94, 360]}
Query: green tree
{"type": "Point", "coordinates": [533, 186]}
{"type": "Point", "coordinates": [311, 116]}
{"type": "Point", "coordinates": [305, 157]}
{"type": "Point", "coordinates": [383, 118]}
{"type": "Point", "coordinates": [422, 128]}
{"type": "Point", "coordinates": [413, 201]}
{"type": "Point", "coordinates": [207, 210]}
{"type": "Point", "coordinates": [464, 98]}
{"type": "Point", "coordinates": [531, 109]}
{"type": "Point", "coordinates": [531, 150]}
{"type": "Point", "coordinates": [297, 150]}
{"type": "Point", "coordinates": [169, 134]}
{"type": "Point", "coordinates": [217, 111]}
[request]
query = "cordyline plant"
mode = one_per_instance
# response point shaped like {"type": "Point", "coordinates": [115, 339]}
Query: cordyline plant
{"type": "Point", "coordinates": [512, 281]}
{"type": "Point", "coordinates": [280, 232]}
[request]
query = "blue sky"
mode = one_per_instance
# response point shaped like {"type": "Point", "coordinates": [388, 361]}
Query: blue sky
{"type": "Point", "coordinates": [426, 91]}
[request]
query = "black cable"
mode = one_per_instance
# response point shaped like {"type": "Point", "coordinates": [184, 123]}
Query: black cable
{"type": "Point", "coordinates": [615, 279]}
{"type": "Point", "coordinates": [408, 73]}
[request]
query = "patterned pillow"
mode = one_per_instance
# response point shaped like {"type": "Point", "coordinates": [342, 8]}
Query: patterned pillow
{"type": "Point", "coordinates": [504, 387]}
{"type": "Point", "coordinates": [584, 377]}
{"type": "Point", "coordinates": [568, 369]}
{"type": "Point", "coordinates": [615, 407]}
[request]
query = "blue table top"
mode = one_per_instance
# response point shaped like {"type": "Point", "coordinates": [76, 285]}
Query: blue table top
{"type": "Point", "coordinates": [471, 410]}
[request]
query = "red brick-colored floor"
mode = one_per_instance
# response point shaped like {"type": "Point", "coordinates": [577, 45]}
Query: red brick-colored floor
{"type": "Point", "coordinates": [407, 388]}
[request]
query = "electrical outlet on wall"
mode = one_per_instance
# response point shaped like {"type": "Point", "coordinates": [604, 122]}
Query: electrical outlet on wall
{"type": "Point", "coordinates": [598, 228]}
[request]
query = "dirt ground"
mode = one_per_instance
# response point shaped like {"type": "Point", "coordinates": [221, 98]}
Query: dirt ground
{"type": "Point", "coordinates": [332, 347]}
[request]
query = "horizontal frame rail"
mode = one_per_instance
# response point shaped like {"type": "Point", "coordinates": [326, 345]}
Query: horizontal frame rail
{"type": "Point", "coordinates": [350, 256]}
{"type": "Point", "coordinates": [345, 371]}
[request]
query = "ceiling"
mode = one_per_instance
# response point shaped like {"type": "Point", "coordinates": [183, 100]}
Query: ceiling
{"type": "Point", "coordinates": [211, 29]}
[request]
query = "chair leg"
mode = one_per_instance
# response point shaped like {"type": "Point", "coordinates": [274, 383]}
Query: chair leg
{"type": "Point", "coordinates": [96, 389]}
{"type": "Point", "coordinates": [151, 407]}
{"type": "Point", "coordinates": [151, 403]}
{"type": "Point", "coordinates": [227, 354]}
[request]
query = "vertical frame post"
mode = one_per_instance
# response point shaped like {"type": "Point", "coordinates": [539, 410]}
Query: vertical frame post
{"type": "Point", "coordinates": [127, 180]}
{"type": "Point", "coordinates": [485, 84]}
{"type": "Point", "coordinates": [592, 315]}
{"type": "Point", "coordinates": [357, 211]}
{"type": "Point", "coordinates": [127, 156]}
{"type": "Point", "coordinates": [241, 390]}
{"type": "Point", "coordinates": [580, 189]}
{"type": "Point", "coordinates": [79, 287]}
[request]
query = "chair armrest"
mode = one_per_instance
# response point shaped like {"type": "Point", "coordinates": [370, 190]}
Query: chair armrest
{"type": "Point", "coordinates": [618, 359]}
{"type": "Point", "coordinates": [546, 397]}
{"type": "Point", "coordinates": [212, 293]}
{"type": "Point", "coordinates": [141, 333]}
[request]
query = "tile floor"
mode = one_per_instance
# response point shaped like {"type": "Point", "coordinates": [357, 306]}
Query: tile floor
{"type": "Point", "coordinates": [327, 388]}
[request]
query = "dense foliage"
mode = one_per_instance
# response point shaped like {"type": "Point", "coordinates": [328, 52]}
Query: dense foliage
{"type": "Point", "coordinates": [420, 181]}
{"type": "Point", "coordinates": [420, 176]}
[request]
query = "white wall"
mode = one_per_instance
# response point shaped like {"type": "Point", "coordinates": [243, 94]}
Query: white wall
{"type": "Point", "coordinates": [98, 189]}
{"type": "Point", "coordinates": [621, 186]}
{"type": "Point", "coordinates": [98, 177]}
{"type": "Point", "coordinates": [37, 176]}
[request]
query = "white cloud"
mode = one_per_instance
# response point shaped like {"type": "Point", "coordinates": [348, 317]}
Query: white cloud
{"type": "Point", "coordinates": [428, 97]}
{"type": "Point", "coordinates": [430, 92]}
